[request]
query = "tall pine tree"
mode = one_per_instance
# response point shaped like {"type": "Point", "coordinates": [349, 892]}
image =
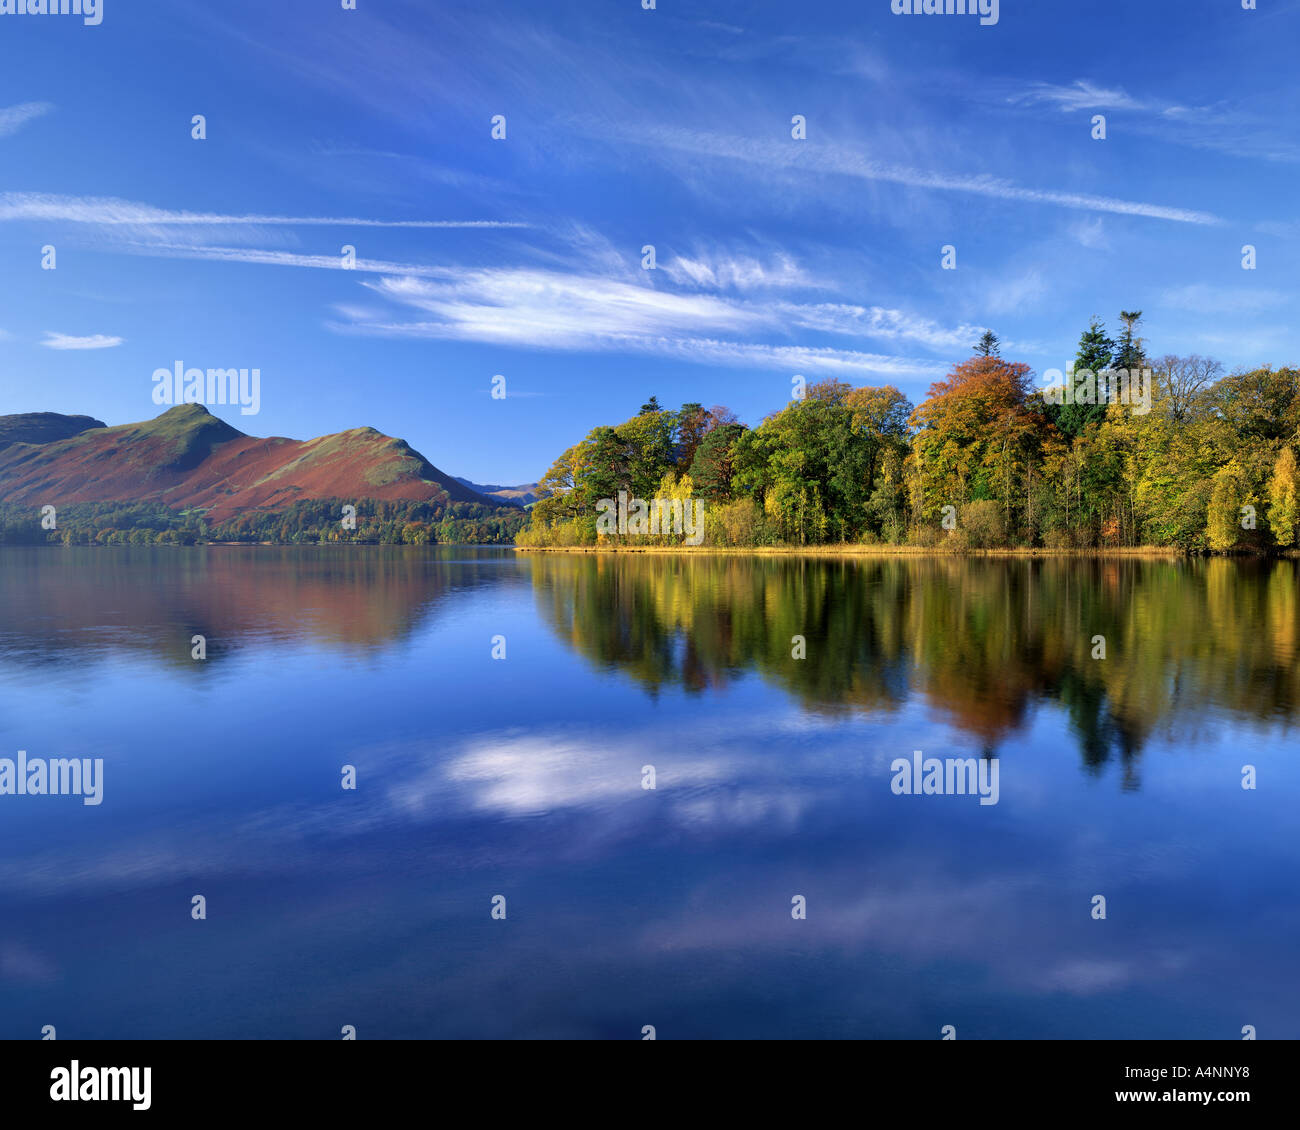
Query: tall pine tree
{"type": "Point", "coordinates": [1096, 350]}
{"type": "Point", "coordinates": [1130, 353]}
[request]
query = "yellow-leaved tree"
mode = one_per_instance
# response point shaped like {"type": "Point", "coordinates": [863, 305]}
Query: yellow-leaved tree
{"type": "Point", "coordinates": [1229, 508]}
{"type": "Point", "coordinates": [1284, 499]}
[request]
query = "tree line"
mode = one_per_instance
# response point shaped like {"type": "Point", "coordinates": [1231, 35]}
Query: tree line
{"type": "Point", "coordinates": [1207, 463]}
{"type": "Point", "coordinates": [314, 522]}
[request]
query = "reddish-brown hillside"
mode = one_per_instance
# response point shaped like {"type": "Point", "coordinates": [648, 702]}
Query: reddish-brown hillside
{"type": "Point", "coordinates": [189, 459]}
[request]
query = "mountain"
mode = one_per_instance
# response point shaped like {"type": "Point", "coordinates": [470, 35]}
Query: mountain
{"type": "Point", "coordinates": [522, 494]}
{"type": "Point", "coordinates": [43, 427]}
{"type": "Point", "coordinates": [188, 459]}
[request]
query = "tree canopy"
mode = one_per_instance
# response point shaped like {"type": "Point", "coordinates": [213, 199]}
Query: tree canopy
{"type": "Point", "coordinates": [1209, 463]}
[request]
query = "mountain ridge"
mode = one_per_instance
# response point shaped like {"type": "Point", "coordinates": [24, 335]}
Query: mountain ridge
{"type": "Point", "coordinates": [188, 459]}
{"type": "Point", "coordinates": [523, 493]}
{"type": "Point", "coordinates": [43, 427]}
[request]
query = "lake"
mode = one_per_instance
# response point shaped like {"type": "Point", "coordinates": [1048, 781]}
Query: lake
{"type": "Point", "coordinates": [676, 906]}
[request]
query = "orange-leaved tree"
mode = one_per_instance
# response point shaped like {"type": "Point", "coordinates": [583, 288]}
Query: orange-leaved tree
{"type": "Point", "coordinates": [977, 436]}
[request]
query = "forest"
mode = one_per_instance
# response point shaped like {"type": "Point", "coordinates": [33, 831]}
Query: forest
{"type": "Point", "coordinates": [986, 461]}
{"type": "Point", "coordinates": [307, 522]}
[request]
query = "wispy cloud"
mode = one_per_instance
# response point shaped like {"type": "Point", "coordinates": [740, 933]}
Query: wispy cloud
{"type": "Point", "coordinates": [540, 308]}
{"type": "Point", "coordinates": [735, 272]}
{"type": "Point", "coordinates": [793, 358]}
{"type": "Point", "coordinates": [1016, 292]}
{"type": "Point", "coordinates": [882, 323]}
{"type": "Point", "coordinates": [269, 258]}
{"type": "Point", "coordinates": [13, 118]}
{"type": "Point", "coordinates": [409, 165]}
{"type": "Point", "coordinates": [1091, 234]}
{"type": "Point", "coordinates": [559, 311]}
{"type": "Point", "coordinates": [110, 211]}
{"type": "Point", "coordinates": [66, 341]}
{"type": "Point", "coordinates": [1078, 95]}
{"type": "Point", "coordinates": [1200, 298]}
{"type": "Point", "coordinates": [844, 160]}
{"type": "Point", "coordinates": [1221, 126]}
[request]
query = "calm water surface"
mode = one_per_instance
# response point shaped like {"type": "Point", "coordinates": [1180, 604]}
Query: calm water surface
{"type": "Point", "coordinates": [627, 906]}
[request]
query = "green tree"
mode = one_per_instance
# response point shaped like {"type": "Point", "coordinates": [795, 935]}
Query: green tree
{"type": "Point", "coordinates": [1096, 350]}
{"type": "Point", "coordinates": [714, 466]}
{"type": "Point", "coordinates": [1130, 350]}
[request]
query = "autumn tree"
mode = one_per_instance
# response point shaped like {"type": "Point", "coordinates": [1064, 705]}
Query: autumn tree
{"type": "Point", "coordinates": [977, 433]}
{"type": "Point", "coordinates": [693, 423]}
{"type": "Point", "coordinates": [1261, 404]}
{"type": "Point", "coordinates": [1228, 499]}
{"type": "Point", "coordinates": [719, 415]}
{"type": "Point", "coordinates": [1284, 499]}
{"type": "Point", "coordinates": [1182, 380]}
{"type": "Point", "coordinates": [560, 494]}
{"type": "Point", "coordinates": [879, 416]}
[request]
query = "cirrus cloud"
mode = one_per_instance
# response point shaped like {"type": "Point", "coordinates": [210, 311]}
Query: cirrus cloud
{"type": "Point", "coordinates": [13, 118]}
{"type": "Point", "coordinates": [68, 341]}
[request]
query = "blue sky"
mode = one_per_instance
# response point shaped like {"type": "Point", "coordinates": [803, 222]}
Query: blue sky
{"type": "Point", "coordinates": [625, 127]}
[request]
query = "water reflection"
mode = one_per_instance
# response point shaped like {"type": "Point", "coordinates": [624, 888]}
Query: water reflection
{"type": "Point", "coordinates": [982, 641]}
{"type": "Point", "coordinates": [629, 906]}
{"type": "Point", "coordinates": [62, 605]}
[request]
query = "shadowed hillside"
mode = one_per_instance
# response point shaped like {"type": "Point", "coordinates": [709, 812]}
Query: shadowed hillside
{"type": "Point", "coordinates": [43, 427]}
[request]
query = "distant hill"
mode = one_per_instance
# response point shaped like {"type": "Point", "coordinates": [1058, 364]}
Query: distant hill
{"type": "Point", "coordinates": [43, 427]}
{"type": "Point", "coordinates": [523, 494]}
{"type": "Point", "coordinates": [188, 459]}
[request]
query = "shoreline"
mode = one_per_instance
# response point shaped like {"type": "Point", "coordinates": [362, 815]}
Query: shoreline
{"type": "Point", "coordinates": [892, 551]}
{"type": "Point", "coordinates": [840, 551]}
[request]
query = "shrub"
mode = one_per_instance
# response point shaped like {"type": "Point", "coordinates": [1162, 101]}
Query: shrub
{"type": "Point", "coordinates": [738, 523]}
{"type": "Point", "coordinates": [982, 524]}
